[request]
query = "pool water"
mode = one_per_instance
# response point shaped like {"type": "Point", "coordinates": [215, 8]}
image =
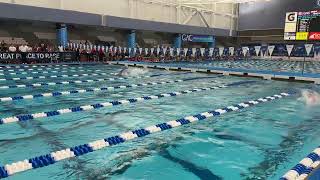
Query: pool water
{"type": "Point", "coordinates": [259, 142]}
{"type": "Point", "coordinates": [307, 68]}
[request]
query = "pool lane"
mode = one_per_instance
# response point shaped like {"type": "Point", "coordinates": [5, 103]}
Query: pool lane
{"type": "Point", "coordinates": [54, 157]}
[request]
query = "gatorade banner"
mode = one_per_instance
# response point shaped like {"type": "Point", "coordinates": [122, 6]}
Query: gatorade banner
{"type": "Point", "coordinates": [211, 52]}
{"type": "Point", "coordinates": [270, 50]}
{"type": "Point", "coordinates": [245, 50]}
{"type": "Point", "coordinates": [289, 49]}
{"type": "Point", "coordinates": [257, 50]}
{"type": "Point", "coordinates": [202, 51]}
{"type": "Point", "coordinates": [221, 49]}
{"type": "Point", "coordinates": [308, 48]}
{"type": "Point", "coordinates": [231, 51]}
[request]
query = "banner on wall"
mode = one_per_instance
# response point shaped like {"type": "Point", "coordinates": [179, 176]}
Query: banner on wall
{"type": "Point", "coordinates": [197, 38]}
{"type": "Point", "coordinates": [271, 49]}
{"type": "Point", "coordinates": [308, 48]}
{"type": "Point", "coordinates": [202, 51]}
{"type": "Point", "coordinates": [185, 51]}
{"type": "Point", "coordinates": [40, 56]}
{"type": "Point", "coordinates": [221, 49]}
{"type": "Point", "coordinates": [289, 49]}
{"type": "Point", "coordinates": [194, 50]}
{"type": "Point", "coordinates": [257, 50]}
{"type": "Point", "coordinates": [245, 50]}
{"type": "Point", "coordinates": [231, 51]}
{"type": "Point", "coordinates": [211, 52]}
{"type": "Point", "coordinates": [171, 51]}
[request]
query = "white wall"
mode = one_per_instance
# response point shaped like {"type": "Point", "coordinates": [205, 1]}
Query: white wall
{"type": "Point", "coordinates": [216, 15]}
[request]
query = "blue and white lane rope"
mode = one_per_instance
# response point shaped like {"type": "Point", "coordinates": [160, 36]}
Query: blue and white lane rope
{"type": "Point", "coordinates": [27, 66]}
{"type": "Point", "coordinates": [39, 69]}
{"type": "Point", "coordinates": [46, 72]}
{"type": "Point", "coordinates": [54, 157]}
{"type": "Point", "coordinates": [26, 117]}
{"type": "Point", "coordinates": [305, 167]}
{"type": "Point", "coordinates": [53, 76]}
{"type": "Point", "coordinates": [79, 91]}
{"type": "Point", "coordinates": [76, 82]}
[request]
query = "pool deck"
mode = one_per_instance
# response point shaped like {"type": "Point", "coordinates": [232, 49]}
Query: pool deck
{"type": "Point", "coordinates": [264, 74]}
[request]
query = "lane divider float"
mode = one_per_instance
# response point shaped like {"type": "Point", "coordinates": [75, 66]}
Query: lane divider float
{"type": "Point", "coordinates": [27, 117]}
{"type": "Point", "coordinates": [91, 90]}
{"type": "Point", "coordinates": [26, 66]}
{"type": "Point", "coordinates": [40, 84]}
{"type": "Point", "coordinates": [53, 76]}
{"type": "Point", "coordinates": [46, 72]}
{"type": "Point", "coordinates": [305, 167]}
{"type": "Point", "coordinates": [39, 69]}
{"type": "Point", "coordinates": [54, 157]}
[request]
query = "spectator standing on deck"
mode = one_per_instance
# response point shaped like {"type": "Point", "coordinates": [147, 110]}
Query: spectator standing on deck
{"type": "Point", "coordinates": [23, 49]}
{"type": "Point", "coordinates": [12, 48]}
{"type": "Point", "coordinates": [42, 48]}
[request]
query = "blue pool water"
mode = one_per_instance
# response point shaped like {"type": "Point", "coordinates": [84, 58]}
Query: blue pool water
{"type": "Point", "coordinates": [260, 142]}
{"type": "Point", "coordinates": [290, 68]}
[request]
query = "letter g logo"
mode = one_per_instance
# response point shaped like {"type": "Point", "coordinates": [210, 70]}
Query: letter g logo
{"type": "Point", "coordinates": [292, 16]}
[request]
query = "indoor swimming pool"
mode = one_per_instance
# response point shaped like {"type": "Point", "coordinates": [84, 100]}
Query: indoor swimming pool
{"type": "Point", "coordinates": [258, 130]}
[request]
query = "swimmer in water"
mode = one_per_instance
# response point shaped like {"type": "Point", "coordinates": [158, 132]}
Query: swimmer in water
{"type": "Point", "coordinates": [132, 72]}
{"type": "Point", "coordinates": [311, 98]}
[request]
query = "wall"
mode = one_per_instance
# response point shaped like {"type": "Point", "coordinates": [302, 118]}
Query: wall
{"type": "Point", "coordinates": [221, 15]}
{"type": "Point", "coordinates": [270, 14]}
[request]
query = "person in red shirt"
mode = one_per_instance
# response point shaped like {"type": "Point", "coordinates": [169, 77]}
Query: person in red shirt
{"type": "Point", "coordinates": [101, 54]}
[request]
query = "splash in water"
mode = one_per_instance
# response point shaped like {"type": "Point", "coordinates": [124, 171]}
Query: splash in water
{"type": "Point", "coordinates": [311, 98]}
{"type": "Point", "coordinates": [132, 72]}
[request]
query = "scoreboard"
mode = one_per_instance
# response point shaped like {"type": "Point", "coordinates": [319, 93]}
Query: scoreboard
{"type": "Point", "coordinates": [302, 26]}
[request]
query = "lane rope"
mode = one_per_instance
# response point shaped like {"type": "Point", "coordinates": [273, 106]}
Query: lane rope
{"type": "Point", "coordinates": [39, 69]}
{"type": "Point", "coordinates": [27, 66]}
{"type": "Point", "coordinates": [40, 84]}
{"type": "Point", "coordinates": [79, 91]}
{"type": "Point", "coordinates": [53, 76]}
{"type": "Point", "coordinates": [54, 157]}
{"type": "Point", "coordinates": [27, 117]}
{"type": "Point", "coordinates": [305, 167]}
{"type": "Point", "coordinates": [46, 72]}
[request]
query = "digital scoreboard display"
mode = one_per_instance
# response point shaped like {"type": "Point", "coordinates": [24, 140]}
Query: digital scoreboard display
{"type": "Point", "coordinates": [302, 26]}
